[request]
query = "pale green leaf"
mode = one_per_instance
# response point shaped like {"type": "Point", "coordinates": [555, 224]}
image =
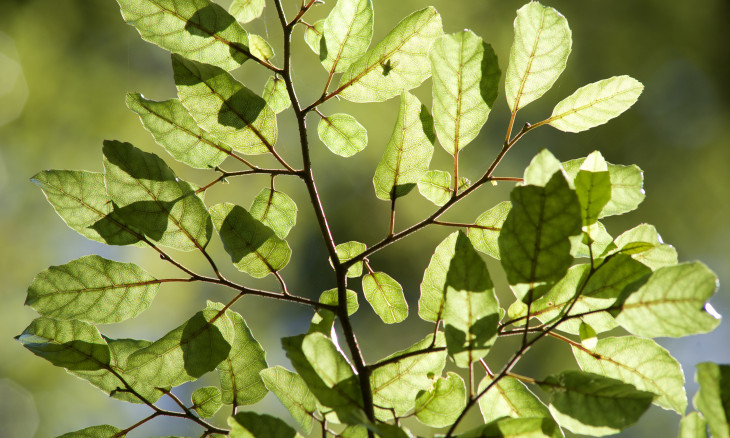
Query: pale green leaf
{"type": "Point", "coordinates": [644, 244]}
{"type": "Point", "coordinates": [276, 210]}
{"type": "Point", "coordinates": [293, 393]}
{"type": "Point", "coordinates": [224, 107]}
{"type": "Point", "coordinates": [408, 152]}
{"type": "Point", "coordinates": [260, 48]}
{"type": "Point", "coordinates": [196, 29]}
{"type": "Point", "coordinates": [276, 95]}
{"type": "Point", "coordinates": [640, 362]}
{"type": "Point", "coordinates": [175, 130]}
{"type": "Point", "coordinates": [593, 187]}
{"type": "Point", "coordinates": [671, 303]}
{"type": "Point", "coordinates": [485, 231]}
{"type": "Point", "coordinates": [693, 425]}
{"type": "Point", "coordinates": [542, 167]}
{"type": "Point", "coordinates": [713, 397]}
{"type": "Point", "coordinates": [323, 320]}
{"type": "Point", "coordinates": [253, 425]}
{"type": "Point", "coordinates": [254, 248]}
{"type": "Point", "coordinates": [385, 295]}
{"type": "Point", "coordinates": [588, 338]}
{"type": "Point", "coordinates": [346, 32]}
{"type": "Point", "coordinates": [330, 297]}
{"type": "Point", "coordinates": [433, 286]}
{"type": "Point", "coordinates": [465, 80]}
{"type": "Point", "coordinates": [342, 134]}
{"type": "Point", "coordinates": [349, 250]}
{"type": "Point", "coordinates": [527, 427]}
{"type": "Point", "coordinates": [509, 398]}
{"type": "Point", "coordinates": [246, 10]}
{"type": "Point", "coordinates": [104, 431]}
{"type": "Point", "coordinates": [92, 289]}
{"type": "Point", "coordinates": [397, 63]}
{"type": "Point", "coordinates": [442, 404]}
{"type": "Point", "coordinates": [592, 243]}
{"type": "Point", "coordinates": [596, 104]}
{"type": "Point", "coordinates": [435, 185]}
{"type": "Point", "coordinates": [206, 401]}
{"type": "Point", "coordinates": [313, 36]}
{"type": "Point", "coordinates": [539, 54]}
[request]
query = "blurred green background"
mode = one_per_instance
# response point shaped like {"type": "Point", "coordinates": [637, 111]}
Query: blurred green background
{"type": "Point", "coordinates": [65, 66]}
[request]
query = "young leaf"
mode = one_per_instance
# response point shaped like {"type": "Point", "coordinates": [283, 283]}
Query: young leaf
{"type": "Point", "coordinates": [435, 185]}
{"type": "Point", "coordinates": [276, 210]}
{"type": "Point", "coordinates": [540, 427]}
{"type": "Point", "coordinates": [253, 425]}
{"type": "Point", "coordinates": [346, 32]}
{"type": "Point", "coordinates": [671, 303]}
{"type": "Point", "coordinates": [539, 54]}
{"type": "Point", "coordinates": [399, 62]}
{"type": "Point", "coordinates": [509, 398]}
{"type": "Point", "coordinates": [593, 187]}
{"type": "Point", "coordinates": [206, 401]}
{"type": "Point", "coordinates": [260, 48]}
{"type": "Point", "coordinates": [596, 104]}
{"type": "Point", "coordinates": [224, 107]}
{"type": "Point", "coordinates": [104, 431]}
{"type": "Point", "coordinates": [323, 320]}
{"type": "Point", "coordinates": [92, 289]}
{"type": "Point", "coordinates": [465, 80]}
{"type": "Point", "coordinates": [196, 29]}
{"type": "Point", "coordinates": [342, 134]}
{"type": "Point", "coordinates": [534, 244]}
{"type": "Point", "coordinates": [313, 36]}
{"type": "Point", "coordinates": [433, 286]}
{"type": "Point", "coordinates": [293, 393]}
{"type": "Point", "coordinates": [590, 404]}
{"type": "Point", "coordinates": [385, 295]}
{"type": "Point", "coordinates": [542, 167]}
{"type": "Point", "coordinates": [276, 95]}
{"type": "Point", "coordinates": [441, 405]}
{"type": "Point", "coordinates": [644, 244]}
{"type": "Point", "coordinates": [408, 152]}
{"type": "Point", "coordinates": [640, 362]}
{"type": "Point", "coordinates": [693, 425]}
{"type": "Point", "coordinates": [246, 10]}
{"type": "Point", "coordinates": [239, 372]}
{"type": "Point", "coordinates": [588, 337]}
{"type": "Point", "coordinates": [592, 243]}
{"type": "Point", "coordinates": [330, 297]}
{"type": "Point", "coordinates": [253, 247]}
{"type": "Point", "coordinates": [349, 250]}
{"type": "Point", "coordinates": [713, 397]}
{"type": "Point", "coordinates": [175, 130]}
{"type": "Point", "coordinates": [484, 234]}
{"type": "Point", "coordinates": [150, 198]}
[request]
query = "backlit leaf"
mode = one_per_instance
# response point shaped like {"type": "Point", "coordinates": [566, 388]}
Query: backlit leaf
{"type": "Point", "coordinates": [542, 167]}
{"type": "Point", "coordinates": [349, 250]}
{"type": "Point", "coordinates": [104, 431]}
{"type": "Point", "coordinates": [206, 401]}
{"type": "Point", "coordinates": [385, 295]}
{"type": "Point", "coordinates": [342, 134]}
{"type": "Point", "coordinates": [528, 427]}
{"type": "Point", "coordinates": [323, 320]}
{"type": "Point", "coordinates": [442, 404]}
{"type": "Point", "coordinates": [693, 425]}
{"type": "Point", "coordinates": [713, 397]}
{"type": "Point", "coordinates": [509, 398]}
{"type": "Point", "coordinates": [246, 10]}
{"type": "Point", "coordinates": [485, 232]}
{"type": "Point", "coordinates": [276, 210]}
{"type": "Point", "coordinates": [253, 425]}
{"type": "Point", "coordinates": [593, 187]}
{"type": "Point", "coordinates": [260, 48]}
{"type": "Point", "coordinates": [293, 393]}
{"type": "Point", "coordinates": [313, 36]}
{"type": "Point", "coordinates": [644, 244]}
{"type": "Point", "coordinates": [347, 32]}
{"type": "Point", "coordinates": [276, 95]}
{"type": "Point", "coordinates": [436, 186]}
{"type": "Point", "coordinates": [433, 286]}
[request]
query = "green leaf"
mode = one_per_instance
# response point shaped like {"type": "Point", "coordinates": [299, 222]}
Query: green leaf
{"type": "Point", "coordinates": [644, 244]}
{"type": "Point", "coordinates": [385, 295]}
{"type": "Point", "coordinates": [596, 104]}
{"type": "Point", "coordinates": [542, 167]}
{"type": "Point", "coordinates": [276, 95]}
{"type": "Point", "coordinates": [346, 32]}
{"type": "Point", "coordinates": [330, 297]}
{"type": "Point", "coordinates": [92, 289]}
{"type": "Point", "coordinates": [186, 353]}
{"type": "Point", "coordinates": [509, 398]}
{"type": "Point", "coordinates": [239, 372]}
{"type": "Point", "coordinates": [640, 362]}
{"type": "Point", "coordinates": [224, 107]}
{"type": "Point", "coordinates": [713, 397]}
{"type": "Point", "coordinates": [592, 243]}
{"type": "Point", "coordinates": [465, 80]}
{"type": "Point", "coordinates": [253, 247]}
{"type": "Point", "coordinates": [540, 427]}
{"type": "Point", "coordinates": [276, 210]}
{"type": "Point", "coordinates": [72, 344]}
{"type": "Point", "coordinates": [539, 54]}
{"type": "Point", "coordinates": [253, 425]}
{"type": "Point", "coordinates": [149, 198]}
{"type": "Point", "coordinates": [534, 244]}
{"type": "Point", "coordinates": [349, 250]}
{"type": "Point", "coordinates": [693, 425]}
{"type": "Point", "coordinates": [399, 62]}
{"type": "Point", "coordinates": [342, 134]}
{"type": "Point", "coordinates": [435, 185]}
{"type": "Point", "coordinates": [323, 320]}
{"type": "Point", "coordinates": [441, 405]}
{"type": "Point", "coordinates": [260, 48]}
{"type": "Point", "coordinates": [433, 286]}
{"type": "Point", "coordinates": [105, 431]}
{"type": "Point", "coordinates": [408, 152]}
{"type": "Point", "coordinates": [590, 404]}
{"type": "Point", "coordinates": [175, 130]}
{"type": "Point", "coordinates": [671, 303]}
{"type": "Point", "coordinates": [196, 29]}
{"type": "Point", "coordinates": [293, 393]}
{"type": "Point", "coordinates": [206, 401]}
{"type": "Point", "coordinates": [593, 187]}
{"type": "Point", "coordinates": [313, 35]}
{"type": "Point", "coordinates": [397, 384]}
{"type": "Point", "coordinates": [484, 234]}
{"type": "Point", "coordinates": [246, 10]}
{"type": "Point", "coordinates": [588, 338]}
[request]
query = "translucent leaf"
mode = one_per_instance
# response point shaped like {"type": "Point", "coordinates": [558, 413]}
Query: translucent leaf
{"type": "Point", "coordinates": [349, 250]}
{"type": "Point", "coordinates": [330, 297]}
{"type": "Point", "coordinates": [313, 35]}
{"type": "Point", "coordinates": [640, 362]}
{"type": "Point", "coordinates": [671, 303]}
{"type": "Point", "coordinates": [593, 243]}
{"type": "Point", "coordinates": [92, 289]}
{"type": "Point", "coordinates": [276, 95]}
{"type": "Point", "coordinates": [435, 185]}
{"type": "Point", "coordinates": [593, 187]}
{"type": "Point", "coordinates": [712, 399]}
{"type": "Point", "coordinates": [254, 248]}
{"type": "Point", "coordinates": [196, 29]}
{"type": "Point", "coordinates": [693, 425]}
{"type": "Point", "coordinates": [465, 80]}
{"type": "Point", "coordinates": [276, 210]}
{"type": "Point", "coordinates": [542, 167]}
{"type": "Point", "coordinates": [539, 53]}
{"type": "Point", "coordinates": [148, 197]}
{"type": "Point", "coordinates": [652, 252]}
{"type": "Point", "coordinates": [534, 244]}
{"type": "Point", "coordinates": [347, 32]}
{"type": "Point", "coordinates": [397, 63]}
{"type": "Point", "coordinates": [485, 232]}
{"type": "Point", "coordinates": [342, 134]}
{"type": "Point", "coordinates": [433, 286]}
{"type": "Point", "coordinates": [441, 405]}
{"type": "Point", "coordinates": [187, 352]}
{"type": "Point", "coordinates": [596, 104]}
{"type": "Point", "coordinates": [260, 48]}
{"type": "Point", "coordinates": [239, 377]}
{"type": "Point", "coordinates": [175, 130]}
{"type": "Point", "coordinates": [385, 295]}
{"type": "Point", "coordinates": [104, 431]}
{"type": "Point", "coordinates": [224, 107]}
{"type": "Point", "coordinates": [206, 401]}
{"type": "Point", "coordinates": [253, 425]}
{"type": "Point", "coordinates": [396, 385]}
{"type": "Point", "coordinates": [293, 393]}
{"type": "Point", "coordinates": [246, 10]}
{"type": "Point", "coordinates": [323, 320]}
{"type": "Point", "coordinates": [408, 152]}
{"type": "Point", "coordinates": [540, 427]}
{"type": "Point", "coordinates": [589, 404]}
{"type": "Point", "coordinates": [509, 398]}
{"type": "Point", "coordinates": [588, 338]}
